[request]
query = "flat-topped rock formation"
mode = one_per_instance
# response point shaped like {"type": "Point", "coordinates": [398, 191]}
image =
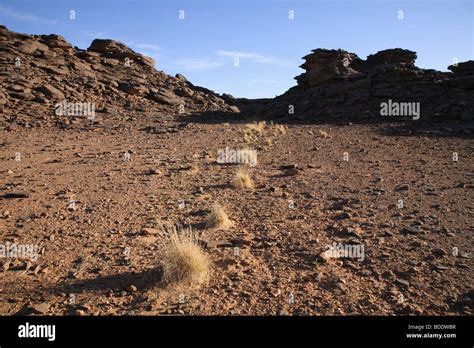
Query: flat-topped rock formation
{"type": "Point", "coordinates": [326, 65]}
{"type": "Point", "coordinates": [337, 84]}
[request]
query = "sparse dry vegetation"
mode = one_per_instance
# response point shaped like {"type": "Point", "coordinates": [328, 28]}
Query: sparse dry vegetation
{"type": "Point", "coordinates": [218, 218]}
{"type": "Point", "coordinates": [182, 259]}
{"type": "Point", "coordinates": [263, 132]}
{"type": "Point", "coordinates": [242, 179]}
{"type": "Point", "coordinates": [255, 128]}
{"type": "Point", "coordinates": [278, 129]}
{"type": "Point", "coordinates": [323, 134]}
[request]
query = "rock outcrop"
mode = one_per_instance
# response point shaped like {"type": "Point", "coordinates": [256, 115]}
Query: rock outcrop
{"type": "Point", "coordinates": [338, 84]}
{"type": "Point", "coordinates": [463, 75]}
{"type": "Point", "coordinates": [326, 65]}
{"type": "Point", "coordinates": [38, 71]}
{"type": "Point", "coordinates": [117, 50]}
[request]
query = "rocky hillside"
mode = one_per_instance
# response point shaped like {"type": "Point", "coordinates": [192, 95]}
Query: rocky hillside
{"type": "Point", "coordinates": [337, 83]}
{"type": "Point", "coordinates": [39, 71]}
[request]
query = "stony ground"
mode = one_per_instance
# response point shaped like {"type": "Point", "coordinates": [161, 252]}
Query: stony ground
{"type": "Point", "coordinates": [97, 218]}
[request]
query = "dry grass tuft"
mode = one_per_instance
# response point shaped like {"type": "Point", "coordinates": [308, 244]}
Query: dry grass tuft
{"type": "Point", "coordinates": [255, 128]}
{"type": "Point", "coordinates": [263, 133]}
{"type": "Point", "coordinates": [218, 218]}
{"type": "Point", "coordinates": [183, 260]}
{"type": "Point", "coordinates": [323, 134]}
{"type": "Point", "coordinates": [279, 129]}
{"type": "Point", "coordinates": [268, 141]}
{"type": "Point", "coordinates": [242, 179]}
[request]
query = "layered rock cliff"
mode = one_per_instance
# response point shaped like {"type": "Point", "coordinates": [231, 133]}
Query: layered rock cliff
{"type": "Point", "coordinates": [339, 84]}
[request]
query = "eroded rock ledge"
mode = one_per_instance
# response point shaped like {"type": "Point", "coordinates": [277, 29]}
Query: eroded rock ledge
{"type": "Point", "coordinates": [38, 71]}
{"type": "Point", "coordinates": [338, 84]}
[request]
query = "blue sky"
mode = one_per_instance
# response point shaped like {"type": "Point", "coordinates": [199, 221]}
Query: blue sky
{"type": "Point", "coordinates": [269, 45]}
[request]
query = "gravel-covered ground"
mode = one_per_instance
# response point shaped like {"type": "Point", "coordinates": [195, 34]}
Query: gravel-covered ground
{"type": "Point", "coordinates": [392, 194]}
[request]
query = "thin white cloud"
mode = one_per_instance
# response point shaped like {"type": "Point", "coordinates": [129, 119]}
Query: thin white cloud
{"type": "Point", "coordinates": [239, 54]}
{"type": "Point", "coordinates": [252, 56]}
{"type": "Point", "coordinates": [146, 46]}
{"type": "Point", "coordinates": [220, 60]}
{"type": "Point", "coordinates": [25, 16]}
{"type": "Point", "coordinates": [198, 64]}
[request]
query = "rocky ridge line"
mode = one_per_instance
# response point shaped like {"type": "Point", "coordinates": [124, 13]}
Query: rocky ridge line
{"type": "Point", "coordinates": [338, 84]}
{"type": "Point", "coordinates": [39, 71]}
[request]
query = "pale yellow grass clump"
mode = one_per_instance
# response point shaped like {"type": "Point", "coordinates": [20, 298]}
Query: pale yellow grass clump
{"type": "Point", "coordinates": [263, 132]}
{"type": "Point", "coordinates": [249, 137]}
{"type": "Point", "coordinates": [323, 134]}
{"type": "Point", "coordinates": [183, 260]}
{"type": "Point", "coordinates": [253, 128]}
{"type": "Point", "coordinates": [242, 179]}
{"type": "Point", "coordinates": [218, 218]}
{"type": "Point", "coordinates": [279, 129]}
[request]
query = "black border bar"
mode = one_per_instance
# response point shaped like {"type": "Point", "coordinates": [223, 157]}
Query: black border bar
{"type": "Point", "coordinates": [335, 330]}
